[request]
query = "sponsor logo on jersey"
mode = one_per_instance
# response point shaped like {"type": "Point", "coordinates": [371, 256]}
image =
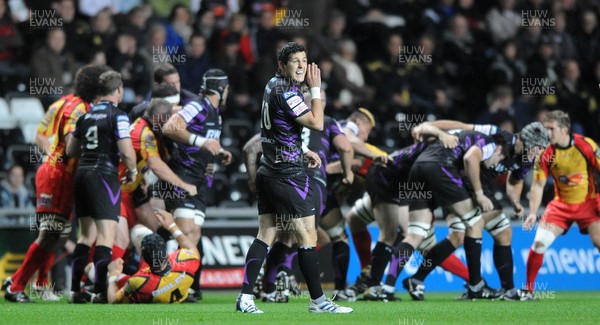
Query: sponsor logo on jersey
{"type": "Point", "coordinates": [300, 109]}
{"type": "Point", "coordinates": [289, 94]}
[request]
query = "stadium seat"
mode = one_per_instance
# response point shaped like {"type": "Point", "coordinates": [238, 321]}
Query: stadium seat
{"type": "Point", "coordinates": [7, 121]}
{"type": "Point", "coordinates": [27, 109]}
{"type": "Point", "coordinates": [29, 130]}
{"type": "Point", "coordinates": [233, 204]}
{"type": "Point", "coordinates": [24, 155]}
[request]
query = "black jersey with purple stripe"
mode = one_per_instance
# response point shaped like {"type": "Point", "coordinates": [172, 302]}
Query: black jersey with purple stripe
{"type": "Point", "coordinates": [436, 152]}
{"type": "Point", "coordinates": [99, 130]}
{"type": "Point", "coordinates": [201, 118]}
{"type": "Point", "coordinates": [321, 143]}
{"type": "Point", "coordinates": [281, 139]}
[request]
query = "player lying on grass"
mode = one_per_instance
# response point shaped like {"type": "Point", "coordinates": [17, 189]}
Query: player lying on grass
{"type": "Point", "coordinates": [162, 278]}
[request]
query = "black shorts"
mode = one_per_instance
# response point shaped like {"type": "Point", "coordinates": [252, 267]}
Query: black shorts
{"type": "Point", "coordinates": [290, 196]}
{"type": "Point", "coordinates": [97, 195]}
{"type": "Point", "coordinates": [383, 184]}
{"type": "Point", "coordinates": [432, 184]}
{"type": "Point", "coordinates": [486, 180]}
{"type": "Point", "coordinates": [321, 196]}
{"type": "Point", "coordinates": [176, 198]}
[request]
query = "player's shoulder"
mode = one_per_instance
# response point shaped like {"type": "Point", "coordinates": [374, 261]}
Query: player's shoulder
{"type": "Point", "coordinates": [138, 281]}
{"type": "Point", "coordinates": [183, 255]}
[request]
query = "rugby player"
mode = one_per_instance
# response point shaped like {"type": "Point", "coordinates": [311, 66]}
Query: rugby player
{"type": "Point", "coordinates": [282, 186]}
{"type": "Point", "coordinates": [54, 186]}
{"type": "Point", "coordinates": [196, 131]}
{"type": "Point", "coordinates": [438, 169]}
{"type": "Point", "coordinates": [528, 144]}
{"type": "Point", "coordinates": [571, 160]}
{"type": "Point", "coordinates": [162, 278]}
{"type": "Point", "coordinates": [100, 138]}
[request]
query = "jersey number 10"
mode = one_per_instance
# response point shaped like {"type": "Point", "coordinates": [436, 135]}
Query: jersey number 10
{"type": "Point", "coordinates": [266, 119]}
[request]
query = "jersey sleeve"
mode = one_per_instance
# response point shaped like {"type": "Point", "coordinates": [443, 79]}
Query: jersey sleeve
{"type": "Point", "coordinates": [487, 129]}
{"type": "Point", "coordinates": [293, 104]}
{"type": "Point", "coordinates": [335, 129]}
{"type": "Point", "coordinates": [542, 164]}
{"type": "Point", "coordinates": [122, 126]}
{"type": "Point", "coordinates": [45, 127]}
{"type": "Point", "coordinates": [132, 285]}
{"type": "Point", "coordinates": [183, 255]}
{"type": "Point", "coordinates": [148, 144]}
{"type": "Point", "coordinates": [73, 117]}
{"type": "Point", "coordinates": [352, 126]}
{"type": "Point", "coordinates": [191, 110]}
{"type": "Point", "coordinates": [595, 160]}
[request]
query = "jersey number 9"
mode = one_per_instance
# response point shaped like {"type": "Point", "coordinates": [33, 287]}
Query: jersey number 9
{"type": "Point", "coordinates": [92, 137]}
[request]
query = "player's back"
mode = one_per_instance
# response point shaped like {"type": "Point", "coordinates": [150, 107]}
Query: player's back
{"type": "Point", "coordinates": [99, 130]}
{"type": "Point", "coordinates": [170, 287]}
{"type": "Point", "coordinates": [64, 123]}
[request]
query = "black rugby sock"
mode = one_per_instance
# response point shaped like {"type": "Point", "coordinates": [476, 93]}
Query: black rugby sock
{"type": "Point", "coordinates": [254, 260]}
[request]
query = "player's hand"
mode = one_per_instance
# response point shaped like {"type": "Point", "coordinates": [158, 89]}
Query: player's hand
{"type": "Point", "coordinates": [381, 159]}
{"type": "Point", "coordinates": [226, 157]}
{"type": "Point", "coordinates": [449, 141]}
{"type": "Point", "coordinates": [519, 210]}
{"type": "Point", "coordinates": [130, 176]}
{"type": "Point", "coordinates": [210, 169]}
{"type": "Point", "coordinates": [164, 218]}
{"type": "Point", "coordinates": [252, 184]}
{"type": "Point", "coordinates": [190, 189]}
{"type": "Point", "coordinates": [314, 161]}
{"type": "Point", "coordinates": [313, 76]}
{"type": "Point", "coordinates": [416, 133]}
{"type": "Point", "coordinates": [212, 146]}
{"type": "Point", "coordinates": [115, 267]}
{"type": "Point", "coordinates": [348, 178]}
{"type": "Point", "coordinates": [529, 222]}
{"type": "Point", "coordinates": [485, 203]}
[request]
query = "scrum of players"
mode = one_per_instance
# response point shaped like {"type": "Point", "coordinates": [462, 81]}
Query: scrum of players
{"type": "Point", "coordinates": [137, 181]}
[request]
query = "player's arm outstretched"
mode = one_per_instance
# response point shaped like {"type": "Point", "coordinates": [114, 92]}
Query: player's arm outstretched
{"type": "Point", "coordinates": [472, 160]}
{"type": "Point", "coordinates": [425, 130]}
{"type": "Point", "coordinates": [344, 147]}
{"type": "Point", "coordinates": [514, 188]}
{"type": "Point", "coordinates": [166, 220]}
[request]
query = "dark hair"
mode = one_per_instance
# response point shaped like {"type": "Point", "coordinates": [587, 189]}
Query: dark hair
{"type": "Point", "coordinates": [158, 106]}
{"type": "Point", "coordinates": [109, 82]}
{"type": "Point", "coordinates": [196, 35]}
{"type": "Point", "coordinates": [505, 139]}
{"type": "Point", "coordinates": [87, 81]}
{"type": "Point", "coordinates": [174, 11]}
{"type": "Point", "coordinates": [154, 251]}
{"type": "Point", "coordinates": [163, 90]}
{"type": "Point", "coordinates": [163, 70]}
{"type": "Point", "coordinates": [286, 51]}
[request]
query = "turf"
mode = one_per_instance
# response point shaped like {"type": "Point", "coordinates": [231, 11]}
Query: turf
{"type": "Point", "coordinates": [218, 308]}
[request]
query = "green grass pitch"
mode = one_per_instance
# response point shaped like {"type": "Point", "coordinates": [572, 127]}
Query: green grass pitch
{"type": "Point", "coordinates": [218, 308]}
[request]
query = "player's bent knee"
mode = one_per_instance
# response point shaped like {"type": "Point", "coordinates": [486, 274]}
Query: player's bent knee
{"type": "Point", "coordinates": [420, 229]}
{"type": "Point", "coordinates": [543, 239]}
{"type": "Point", "coordinates": [336, 230]}
{"type": "Point", "coordinates": [455, 224]}
{"type": "Point", "coordinates": [429, 241]}
{"type": "Point", "coordinates": [472, 218]}
{"type": "Point", "coordinates": [187, 218]}
{"type": "Point", "coordinates": [497, 225]}
{"type": "Point", "coordinates": [137, 234]}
